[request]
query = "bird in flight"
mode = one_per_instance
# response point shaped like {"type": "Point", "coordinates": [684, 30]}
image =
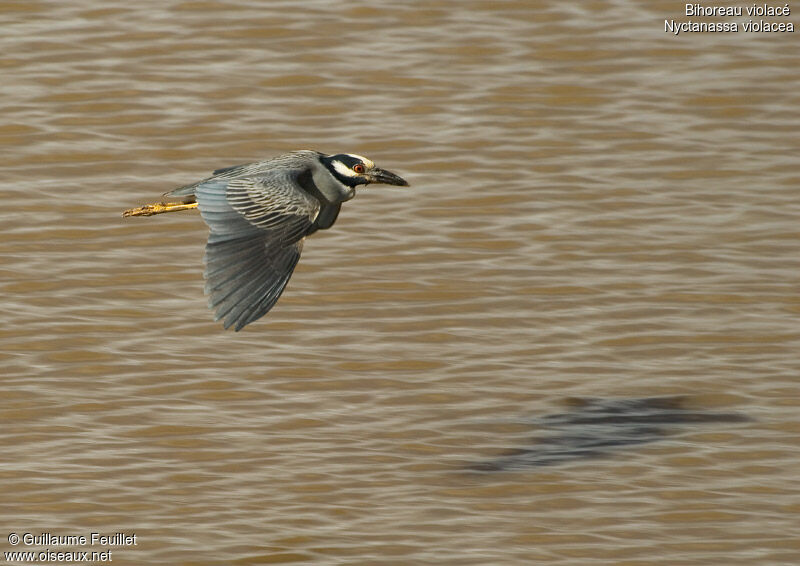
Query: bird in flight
{"type": "Point", "coordinates": [258, 216]}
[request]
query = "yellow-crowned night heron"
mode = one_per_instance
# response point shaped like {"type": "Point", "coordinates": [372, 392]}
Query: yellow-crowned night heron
{"type": "Point", "coordinates": [258, 215]}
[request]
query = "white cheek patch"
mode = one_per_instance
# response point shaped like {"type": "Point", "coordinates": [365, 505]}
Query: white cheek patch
{"type": "Point", "coordinates": [343, 169]}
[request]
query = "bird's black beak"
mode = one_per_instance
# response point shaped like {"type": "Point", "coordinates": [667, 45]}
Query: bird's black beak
{"type": "Point", "coordinates": [385, 177]}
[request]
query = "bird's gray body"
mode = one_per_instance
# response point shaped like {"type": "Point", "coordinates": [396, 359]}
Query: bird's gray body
{"type": "Point", "coordinates": [259, 214]}
{"type": "Point", "coordinates": [294, 183]}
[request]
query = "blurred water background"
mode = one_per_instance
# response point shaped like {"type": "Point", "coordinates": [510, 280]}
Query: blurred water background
{"type": "Point", "coordinates": [598, 209]}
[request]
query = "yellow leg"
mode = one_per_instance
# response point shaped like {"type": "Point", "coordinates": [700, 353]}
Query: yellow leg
{"type": "Point", "coordinates": [158, 208]}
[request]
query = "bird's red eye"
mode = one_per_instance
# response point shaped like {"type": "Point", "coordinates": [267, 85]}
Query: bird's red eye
{"type": "Point", "coordinates": [359, 168]}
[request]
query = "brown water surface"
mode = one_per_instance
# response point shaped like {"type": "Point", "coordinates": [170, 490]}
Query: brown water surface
{"type": "Point", "coordinates": [598, 209]}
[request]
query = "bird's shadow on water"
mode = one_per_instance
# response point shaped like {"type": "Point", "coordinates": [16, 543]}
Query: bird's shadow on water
{"type": "Point", "coordinates": [595, 428]}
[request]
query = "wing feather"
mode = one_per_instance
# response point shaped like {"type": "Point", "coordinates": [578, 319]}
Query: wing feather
{"type": "Point", "coordinates": [245, 287]}
{"type": "Point", "coordinates": [263, 298]}
{"type": "Point", "coordinates": [257, 225]}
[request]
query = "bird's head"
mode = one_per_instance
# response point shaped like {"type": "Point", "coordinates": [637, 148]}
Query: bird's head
{"type": "Point", "coordinates": [353, 170]}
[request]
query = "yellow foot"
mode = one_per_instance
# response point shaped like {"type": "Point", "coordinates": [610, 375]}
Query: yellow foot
{"type": "Point", "coordinates": [158, 208]}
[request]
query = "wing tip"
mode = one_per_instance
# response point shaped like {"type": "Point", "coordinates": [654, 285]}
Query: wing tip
{"type": "Point", "coordinates": [241, 305]}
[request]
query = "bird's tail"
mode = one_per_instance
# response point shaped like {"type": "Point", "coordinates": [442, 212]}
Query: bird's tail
{"type": "Point", "coordinates": [158, 208]}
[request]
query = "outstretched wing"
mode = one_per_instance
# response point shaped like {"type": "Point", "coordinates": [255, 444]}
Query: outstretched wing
{"type": "Point", "coordinates": [257, 228]}
{"type": "Point", "coordinates": [245, 277]}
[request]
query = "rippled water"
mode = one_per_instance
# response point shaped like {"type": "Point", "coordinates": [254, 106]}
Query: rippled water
{"type": "Point", "coordinates": [598, 209]}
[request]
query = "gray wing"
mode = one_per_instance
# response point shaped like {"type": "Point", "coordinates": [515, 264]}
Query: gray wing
{"type": "Point", "coordinates": [257, 228]}
{"type": "Point", "coordinates": [224, 174]}
{"type": "Point", "coordinates": [253, 169]}
{"type": "Point", "coordinates": [245, 277]}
